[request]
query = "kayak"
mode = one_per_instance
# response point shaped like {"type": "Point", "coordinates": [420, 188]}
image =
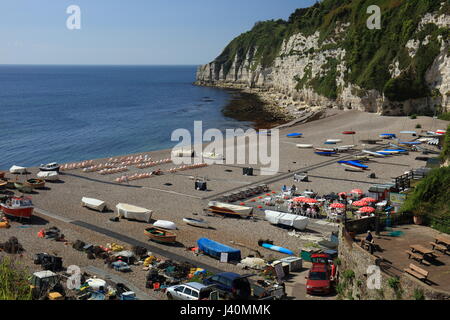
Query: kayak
{"type": "Point", "coordinates": [334, 140]}
{"type": "Point", "coordinates": [351, 168]}
{"type": "Point", "coordinates": [294, 135]}
{"type": "Point", "coordinates": [277, 248]}
{"type": "Point", "coordinates": [349, 132]}
{"type": "Point", "coordinates": [354, 163]}
{"type": "Point", "coordinates": [321, 153]}
{"type": "Point", "coordinates": [376, 154]}
{"type": "Point", "coordinates": [304, 146]}
{"type": "Point", "coordinates": [325, 150]}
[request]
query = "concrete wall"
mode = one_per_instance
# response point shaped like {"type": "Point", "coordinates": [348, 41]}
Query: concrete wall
{"type": "Point", "coordinates": [355, 258]}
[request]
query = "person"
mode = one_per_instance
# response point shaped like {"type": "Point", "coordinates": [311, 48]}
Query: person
{"type": "Point", "coordinates": [293, 190]}
{"type": "Point", "coordinates": [369, 237]}
{"type": "Point", "coordinates": [284, 188]}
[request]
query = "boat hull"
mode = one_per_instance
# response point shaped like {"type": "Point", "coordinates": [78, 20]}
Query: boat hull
{"type": "Point", "coordinates": [277, 248]}
{"type": "Point", "coordinates": [55, 169]}
{"type": "Point", "coordinates": [93, 204]}
{"type": "Point", "coordinates": [35, 183]}
{"type": "Point", "coordinates": [196, 223]}
{"type": "Point", "coordinates": [160, 235]}
{"type": "Point", "coordinates": [23, 213]}
{"type": "Point", "coordinates": [228, 209]}
{"type": "Point", "coordinates": [23, 188]}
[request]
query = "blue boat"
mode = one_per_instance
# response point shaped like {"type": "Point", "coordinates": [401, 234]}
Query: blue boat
{"type": "Point", "coordinates": [410, 143]}
{"type": "Point", "coordinates": [383, 153]}
{"type": "Point", "coordinates": [388, 135]}
{"type": "Point", "coordinates": [395, 150]}
{"type": "Point", "coordinates": [329, 142]}
{"type": "Point", "coordinates": [354, 163]}
{"type": "Point", "coordinates": [277, 248]}
{"type": "Point", "coordinates": [294, 135]}
{"type": "Point", "coordinates": [321, 153]}
{"type": "Point", "coordinates": [215, 249]}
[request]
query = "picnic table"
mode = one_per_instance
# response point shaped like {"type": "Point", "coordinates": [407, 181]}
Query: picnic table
{"type": "Point", "coordinates": [443, 239]}
{"type": "Point", "coordinates": [421, 249]}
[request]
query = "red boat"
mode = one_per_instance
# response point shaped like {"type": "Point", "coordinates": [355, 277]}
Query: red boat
{"type": "Point", "coordinates": [19, 207]}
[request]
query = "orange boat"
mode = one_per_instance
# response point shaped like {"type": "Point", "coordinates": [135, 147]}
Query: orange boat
{"type": "Point", "coordinates": [18, 207]}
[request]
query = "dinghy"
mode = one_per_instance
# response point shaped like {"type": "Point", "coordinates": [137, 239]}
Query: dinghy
{"type": "Point", "coordinates": [304, 146]}
{"type": "Point", "coordinates": [48, 175]}
{"type": "Point", "coordinates": [230, 209]}
{"type": "Point", "coordinates": [35, 183]}
{"type": "Point", "coordinates": [17, 169]}
{"type": "Point", "coordinates": [50, 167]}
{"type": "Point", "coordinates": [129, 211]}
{"type": "Point", "coordinates": [23, 188]}
{"type": "Point", "coordinates": [160, 235]}
{"type": "Point", "coordinates": [163, 224]}
{"type": "Point", "coordinates": [93, 204]}
{"type": "Point", "coordinates": [199, 223]}
{"type": "Point", "coordinates": [287, 219]}
{"type": "Point", "coordinates": [294, 135]}
{"type": "Point", "coordinates": [277, 248]}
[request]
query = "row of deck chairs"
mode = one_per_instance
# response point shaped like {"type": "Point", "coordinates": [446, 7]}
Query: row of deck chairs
{"type": "Point", "coordinates": [244, 193]}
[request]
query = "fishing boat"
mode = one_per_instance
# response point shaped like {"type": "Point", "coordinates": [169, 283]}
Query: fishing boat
{"type": "Point", "coordinates": [23, 188]}
{"type": "Point", "coordinates": [294, 135]}
{"type": "Point", "coordinates": [93, 204]}
{"type": "Point", "coordinates": [160, 235]}
{"type": "Point", "coordinates": [322, 153]}
{"type": "Point", "coordinates": [17, 169]}
{"type": "Point", "coordinates": [287, 219]}
{"type": "Point", "coordinates": [48, 175]}
{"type": "Point", "coordinates": [215, 249]}
{"type": "Point", "coordinates": [18, 207]}
{"type": "Point", "coordinates": [35, 183]}
{"type": "Point", "coordinates": [199, 223]}
{"type": "Point", "coordinates": [129, 211]}
{"type": "Point", "coordinates": [230, 209]}
{"type": "Point", "coordinates": [277, 248]}
{"type": "Point", "coordinates": [53, 166]}
{"type": "Point", "coordinates": [304, 146]}
{"type": "Point", "coordinates": [163, 224]}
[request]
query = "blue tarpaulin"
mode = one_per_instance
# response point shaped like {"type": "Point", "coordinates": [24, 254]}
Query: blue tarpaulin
{"type": "Point", "coordinates": [215, 249]}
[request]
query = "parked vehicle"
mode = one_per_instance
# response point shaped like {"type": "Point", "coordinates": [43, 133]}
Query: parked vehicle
{"type": "Point", "coordinates": [192, 291]}
{"type": "Point", "coordinates": [318, 280]}
{"type": "Point", "coordinates": [231, 286]}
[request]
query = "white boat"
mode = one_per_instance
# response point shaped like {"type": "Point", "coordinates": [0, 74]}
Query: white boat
{"type": "Point", "coordinates": [334, 140]}
{"type": "Point", "coordinates": [287, 219]}
{"type": "Point", "coordinates": [93, 204]}
{"type": "Point", "coordinates": [183, 153]}
{"type": "Point", "coordinates": [229, 209]}
{"type": "Point", "coordinates": [213, 156]}
{"type": "Point", "coordinates": [325, 149]}
{"type": "Point", "coordinates": [345, 148]}
{"type": "Point", "coordinates": [48, 175]}
{"type": "Point", "coordinates": [304, 146]}
{"type": "Point", "coordinates": [349, 167]}
{"type": "Point", "coordinates": [375, 154]}
{"type": "Point", "coordinates": [17, 169]}
{"type": "Point", "coordinates": [200, 223]}
{"type": "Point", "coordinates": [50, 167]}
{"type": "Point", "coordinates": [169, 225]}
{"type": "Point", "coordinates": [129, 211]}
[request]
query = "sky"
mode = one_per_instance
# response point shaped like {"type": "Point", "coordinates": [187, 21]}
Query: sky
{"type": "Point", "coordinates": [129, 32]}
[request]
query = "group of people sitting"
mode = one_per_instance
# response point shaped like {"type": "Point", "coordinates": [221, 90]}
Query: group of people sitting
{"type": "Point", "coordinates": [305, 209]}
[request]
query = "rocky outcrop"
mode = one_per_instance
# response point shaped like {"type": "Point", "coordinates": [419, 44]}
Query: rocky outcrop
{"type": "Point", "coordinates": [303, 58]}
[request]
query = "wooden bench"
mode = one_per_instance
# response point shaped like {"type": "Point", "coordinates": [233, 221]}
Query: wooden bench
{"type": "Point", "coordinates": [417, 256]}
{"type": "Point", "coordinates": [417, 272]}
{"type": "Point", "coordinates": [439, 247]}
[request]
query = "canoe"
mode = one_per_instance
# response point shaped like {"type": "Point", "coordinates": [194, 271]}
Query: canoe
{"type": "Point", "coordinates": [22, 187]}
{"type": "Point", "coordinates": [411, 143]}
{"type": "Point", "coordinates": [287, 219]}
{"type": "Point", "coordinates": [160, 235]}
{"type": "Point", "coordinates": [349, 167]}
{"type": "Point", "coordinates": [215, 249]}
{"type": "Point", "coordinates": [387, 136]}
{"type": "Point", "coordinates": [375, 154]}
{"type": "Point", "coordinates": [277, 248]}
{"type": "Point", "coordinates": [304, 146]}
{"type": "Point", "coordinates": [200, 223]}
{"type": "Point", "coordinates": [329, 142]}
{"type": "Point", "coordinates": [35, 183]}
{"type": "Point", "coordinates": [230, 209]}
{"type": "Point", "coordinates": [354, 164]}
{"type": "Point", "coordinates": [349, 132]}
{"type": "Point", "coordinates": [163, 224]}
{"type": "Point", "coordinates": [48, 175]}
{"type": "Point", "coordinates": [294, 135]}
{"type": "Point", "coordinates": [50, 167]}
{"type": "Point", "coordinates": [321, 153]}
{"type": "Point", "coordinates": [325, 149]}
{"type": "Point", "coordinates": [334, 140]}
{"type": "Point", "coordinates": [17, 169]}
{"type": "Point", "coordinates": [129, 211]}
{"type": "Point", "coordinates": [93, 204]}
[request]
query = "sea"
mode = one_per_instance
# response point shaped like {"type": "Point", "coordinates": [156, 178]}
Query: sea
{"type": "Point", "coordinates": [74, 113]}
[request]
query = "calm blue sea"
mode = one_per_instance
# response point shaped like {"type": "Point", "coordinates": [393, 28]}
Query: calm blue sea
{"type": "Point", "coordinates": [74, 113]}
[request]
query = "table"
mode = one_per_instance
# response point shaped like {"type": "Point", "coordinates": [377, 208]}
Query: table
{"type": "Point", "coordinates": [421, 249]}
{"type": "Point", "coordinates": [443, 239]}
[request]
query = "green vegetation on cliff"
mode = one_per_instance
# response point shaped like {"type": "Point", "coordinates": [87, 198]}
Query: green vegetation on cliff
{"type": "Point", "coordinates": [369, 53]}
{"type": "Point", "coordinates": [14, 283]}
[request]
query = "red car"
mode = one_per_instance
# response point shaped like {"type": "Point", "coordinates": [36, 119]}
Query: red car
{"type": "Point", "coordinates": [318, 280]}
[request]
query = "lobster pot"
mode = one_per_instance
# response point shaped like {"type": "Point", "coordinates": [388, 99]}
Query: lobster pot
{"type": "Point", "coordinates": [200, 185]}
{"type": "Point", "coordinates": [295, 264]}
{"type": "Point", "coordinates": [247, 171]}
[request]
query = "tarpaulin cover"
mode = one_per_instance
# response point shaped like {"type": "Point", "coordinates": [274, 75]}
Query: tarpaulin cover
{"type": "Point", "coordinates": [215, 249]}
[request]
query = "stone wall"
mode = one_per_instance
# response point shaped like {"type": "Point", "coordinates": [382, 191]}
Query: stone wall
{"type": "Point", "coordinates": [353, 257]}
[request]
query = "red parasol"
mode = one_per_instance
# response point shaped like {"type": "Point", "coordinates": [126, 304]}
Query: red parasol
{"type": "Point", "coordinates": [359, 191]}
{"type": "Point", "coordinates": [360, 203]}
{"type": "Point", "coordinates": [369, 199]}
{"type": "Point", "coordinates": [367, 210]}
{"type": "Point", "coordinates": [310, 200]}
{"type": "Point", "coordinates": [338, 205]}
{"type": "Point", "coordinates": [299, 199]}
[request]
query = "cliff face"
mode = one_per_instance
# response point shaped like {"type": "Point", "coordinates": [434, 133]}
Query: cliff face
{"type": "Point", "coordinates": [326, 56]}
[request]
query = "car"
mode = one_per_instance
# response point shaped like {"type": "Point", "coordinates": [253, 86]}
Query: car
{"type": "Point", "coordinates": [318, 280]}
{"type": "Point", "coordinates": [231, 286]}
{"type": "Point", "coordinates": [192, 291]}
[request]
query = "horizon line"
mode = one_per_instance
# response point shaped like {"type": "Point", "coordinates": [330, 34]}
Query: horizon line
{"type": "Point", "coordinates": [99, 65]}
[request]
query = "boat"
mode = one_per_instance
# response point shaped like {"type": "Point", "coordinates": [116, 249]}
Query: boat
{"type": "Point", "coordinates": [394, 151]}
{"type": "Point", "coordinates": [213, 156]}
{"type": "Point", "coordinates": [370, 141]}
{"type": "Point", "coordinates": [17, 169]}
{"type": "Point", "coordinates": [200, 223]}
{"type": "Point", "coordinates": [93, 204]}
{"type": "Point", "coordinates": [322, 153]}
{"type": "Point", "coordinates": [294, 135]}
{"type": "Point", "coordinates": [354, 164]}
{"type": "Point", "coordinates": [129, 211]}
{"type": "Point", "coordinates": [287, 219]}
{"type": "Point", "coordinates": [160, 235]}
{"type": "Point", "coordinates": [48, 175]}
{"type": "Point", "coordinates": [35, 183]}
{"type": "Point", "coordinates": [345, 148]}
{"type": "Point", "coordinates": [362, 158]}
{"type": "Point", "coordinates": [408, 132]}
{"type": "Point", "coordinates": [349, 132]}
{"type": "Point", "coordinates": [3, 184]}
{"type": "Point", "coordinates": [18, 207]}
{"type": "Point", "coordinates": [325, 149]}
{"type": "Point", "coordinates": [304, 146]}
{"type": "Point", "coordinates": [50, 167]}
{"type": "Point", "coordinates": [388, 136]}
{"type": "Point", "coordinates": [23, 188]}
{"type": "Point", "coordinates": [277, 248]}
{"type": "Point", "coordinates": [329, 142]}
{"type": "Point", "coordinates": [334, 140]}
{"type": "Point", "coordinates": [230, 209]}
{"type": "Point", "coordinates": [410, 143]}
{"type": "Point", "coordinates": [375, 154]}
{"type": "Point", "coordinates": [349, 167]}
{"type": "Point", "coordinates": [215, 249]}
{"type": "Point", "coordinates": [183, 153]}
{"type": "Point", "coordinates": [2, 174]}
{"type": "Point", "coordinates": [163, 224]}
